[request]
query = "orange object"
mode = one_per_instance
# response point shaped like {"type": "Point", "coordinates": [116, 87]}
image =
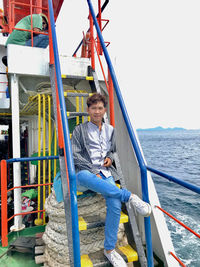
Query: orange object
{"type": "Point", "coordinates": [179, 261]}
{"type": "Point", "coordinates": [111, 100]}
{"type": "Point", "coordinates": [182, 224]}
{"type": "Point", "coordinates": [4, 208]}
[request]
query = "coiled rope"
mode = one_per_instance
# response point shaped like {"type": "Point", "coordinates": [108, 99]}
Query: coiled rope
{"type": "Point", "coordinates": [55, 235]}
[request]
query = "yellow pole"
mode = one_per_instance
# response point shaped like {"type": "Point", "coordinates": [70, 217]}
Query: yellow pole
{"type": "Point", "coordinates": [44, 150]}
{"type": "Point", "coordinates": [82, 108]}
{"type": "Point", "coordinates": [77, 109]}
{"type": "Point", "coordinates": [55, 149]}
{"type": "Point", "coordinates": [38, 221]}
{"type": "Point", "coordinates": [49, 109]}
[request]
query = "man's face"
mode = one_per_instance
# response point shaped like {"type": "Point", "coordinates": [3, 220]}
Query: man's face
{"type": "Point", "coordinates": [96, 112]}
{"type": "Point", "coordinates": [44, 24]}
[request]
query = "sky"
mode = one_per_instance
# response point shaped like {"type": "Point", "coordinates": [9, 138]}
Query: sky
{"type": "Point", "coordinates": [155, 50]}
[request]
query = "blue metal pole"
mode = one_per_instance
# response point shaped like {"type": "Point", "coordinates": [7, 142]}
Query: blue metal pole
{"type": "Point", "coordinates": [132, 137]}
{"type": "Point", "coordinates": [67, 145]}
{"type": "Point", "coordinates": [187, 185]}
{"type": "Point", "coordinates": [31, 159]}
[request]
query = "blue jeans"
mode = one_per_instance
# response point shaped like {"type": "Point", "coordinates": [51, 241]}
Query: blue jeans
{"type": "Point", "coordinates": [113, 196]}
{"type": "Point", "coordinates": [39, 40]}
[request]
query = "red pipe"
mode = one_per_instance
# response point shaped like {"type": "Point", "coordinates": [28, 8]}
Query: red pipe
{"type": "Point", "coordinates": [182, 224]}
{"type": "Point", "coordinates": [4, 208]}
{"type": "Point", "coordinates": [24, 30]}
{"type": "Point", "coordinates": [92, 41]}
{"type": "Point", "coordinates": [30, 185]}
{"type": "Point", "coordinates": [111, 100]}
{"type": "Point", "coordinates": [179, 261]}
{"type": "Point", "coordinates": [31, 12]}
{"type": "Point", "coordinates": [51, 55]}
{"type": "Point", "coordinates": [102, 68]}
{"type": "Point", "coordinates": [25, 213]}
{"type": "Point", "coordinates": [23, 4]}
{"type": "Point", "coordinates": [39, 4]}
{"type": "Point", "coordinates": [100, 26]}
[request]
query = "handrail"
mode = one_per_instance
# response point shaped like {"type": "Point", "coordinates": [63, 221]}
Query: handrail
{"type": "Point", "coordinates": [5, 190]}
{"type": "Point", "coordinates": [187, 185]}
{"type": "Point", "coordinates": [179, 261]}
{"type": "Point", "coordinates": [132, 137]}
{"type": "Point", "coordinates": [102, 9]}
{"type": "Point", "coordinates": [67, 144]}
{"type": "Point", "coordinates": [176, 220]}
{"type": "Point", "coordinates": [31, 159]}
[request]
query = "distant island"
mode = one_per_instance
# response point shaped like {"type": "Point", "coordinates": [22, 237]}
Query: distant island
{"type": "Point", "coordinates": [159, 128]}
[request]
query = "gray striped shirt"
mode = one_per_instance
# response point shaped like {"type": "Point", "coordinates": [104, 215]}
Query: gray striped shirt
{"type": "Point", "coordinates": [99, 145]}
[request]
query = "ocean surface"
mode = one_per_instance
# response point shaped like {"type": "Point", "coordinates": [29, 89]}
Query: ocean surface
{"type": "Point", "coordinates": [177, 153]}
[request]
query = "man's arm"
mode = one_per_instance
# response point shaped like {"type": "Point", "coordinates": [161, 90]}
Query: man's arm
{"type": "Point", "coordinates": [78, 151]}
{"type": "Point", "coordinates": [113, 147]}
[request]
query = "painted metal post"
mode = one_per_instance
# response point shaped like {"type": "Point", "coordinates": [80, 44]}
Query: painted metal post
{"type": "Point", "coordinates": [111, 100]}
{"type": "Point", "coordinates": [44, 153]}
{"type": "Point", "coordinates": [30, 147]}
{"type": "Point", "coordinates": [49, 125]}
{"type": "Point", "coordinates": [16, 151]}
{"type": "Point", "coordinates": [132, 137]}
{"type": "Point", "coordinates": [92, 42]}
{"type": "Point", "coordinates": [39, 6]}
{"type": "Point", "coordinates": [100, 26]}
{"type": "Point", "coordinates": [4, 207]}
{"type": "Point", "coordinates": [67, 145]}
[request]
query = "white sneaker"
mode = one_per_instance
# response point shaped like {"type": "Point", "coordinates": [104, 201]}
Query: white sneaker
{"type": "Point", "coordinates": [115, 259]}
{"type": "Point", "coordinates": [143, 208]}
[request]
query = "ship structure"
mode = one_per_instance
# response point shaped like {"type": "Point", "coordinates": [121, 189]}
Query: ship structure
{"type": "Point", "coordinates": [43, 97]}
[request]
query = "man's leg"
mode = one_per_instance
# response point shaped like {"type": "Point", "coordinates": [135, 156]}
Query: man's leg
{"type": "Point", "coordinates": [113, 213]}
{"type": "Point", "coordinates": [39, 40]}
{"type": "Point", "coordinates": [113, 196]}
{"type": "Point", "coordinates": [94, 183]}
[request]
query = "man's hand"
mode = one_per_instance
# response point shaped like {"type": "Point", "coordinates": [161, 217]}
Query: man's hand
{"type": "Point", "coordinates": [98, 175]}
{"type": "Point", "coordinates": [107, 162]}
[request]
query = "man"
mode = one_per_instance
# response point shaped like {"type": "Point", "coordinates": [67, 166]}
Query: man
{"type": "Point", "coordinates": [39, 24]}
{"type": "Point", "coordinates": [18, 37]}
{"type": "Point", "coordinates": [93, 145]}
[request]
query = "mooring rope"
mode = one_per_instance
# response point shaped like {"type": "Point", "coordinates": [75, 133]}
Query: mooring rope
{"type": "Point", "coordinates": [55, 235]}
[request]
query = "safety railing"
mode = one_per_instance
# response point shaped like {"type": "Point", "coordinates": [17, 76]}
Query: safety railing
{"type": "Point", "coordinates": [3, 86]}
{"type": "Point", "coordinates": [109, 86]}
{"type": "Point", "coordinates": [25, 10]}
{"type": "Point", "coordinates": [182, 183]}
{"type": "Point", "coordinates": [101, 9]}
{"type": "Point", "coordinates": [5, 190]}
{"type": "Point", "coordinates": [67, 149]}
{"type": "Point", "coordinates": [132, 137]}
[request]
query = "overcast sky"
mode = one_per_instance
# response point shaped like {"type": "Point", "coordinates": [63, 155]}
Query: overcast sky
{"type": "Point", "coordinates": [155, 49]}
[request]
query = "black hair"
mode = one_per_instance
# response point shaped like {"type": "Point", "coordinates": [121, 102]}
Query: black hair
{"type": "Point", "coordinates": [96, 98]}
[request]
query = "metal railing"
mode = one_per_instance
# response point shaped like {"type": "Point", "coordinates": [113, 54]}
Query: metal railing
{"type": "Point", "coordinates": [187, 185]}
{"type": "Point", "coordinates": [67, 144]}
{"type": "Point", "coordinates": [132, 137]}
{"type": "Point", "coordinates": [98, 15]}
{"type": "Point", "coordinates": [5, 190]}
{"type": "Point", "coordinates": [182, 183]}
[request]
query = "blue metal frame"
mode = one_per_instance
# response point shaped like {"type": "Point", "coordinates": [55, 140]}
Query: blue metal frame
{"type": "Point", "coordinates": [31, 159]}
{"type": "Point", "coordinates": [187, 185]}
{"type": "Point", "coordinates": [67, 145]}
{"type": "Point", "coordinates": [132, 137]}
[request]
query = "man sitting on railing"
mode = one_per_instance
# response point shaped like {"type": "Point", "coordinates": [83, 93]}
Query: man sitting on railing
{"type": "Point", "coordinates": [23, 37]}
{"type": "Point", "coordinates": [93, 145]}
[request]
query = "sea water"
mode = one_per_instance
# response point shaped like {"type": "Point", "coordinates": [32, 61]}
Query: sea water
{"type": "Point", "coordinates": [177, 153]}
